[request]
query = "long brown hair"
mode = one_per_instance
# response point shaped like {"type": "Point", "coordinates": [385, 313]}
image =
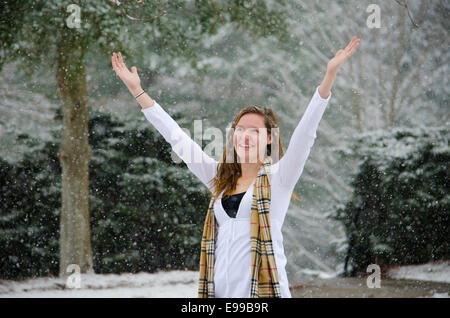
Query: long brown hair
{"type": "Point", "coordinates": [228, 173]}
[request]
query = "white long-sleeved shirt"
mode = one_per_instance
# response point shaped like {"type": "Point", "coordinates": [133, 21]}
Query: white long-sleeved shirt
{"type": "Point", "coordinates": [232, 256]}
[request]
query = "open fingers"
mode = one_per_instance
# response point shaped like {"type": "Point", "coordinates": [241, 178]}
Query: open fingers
{"type": "Point", "coordinates": [114, 62]}
{"type": "Point", "coordinates": [354, 43]}
{"type": "Point", "coordinates": [121, 62]}
{"type": "Point", "coordinates": [351, 44]}
{"type": "Point", "coordinates": [354, 48]}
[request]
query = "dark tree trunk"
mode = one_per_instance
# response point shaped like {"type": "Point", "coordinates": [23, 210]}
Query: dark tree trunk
{"type": "Point", "coordinates": [74, 155]}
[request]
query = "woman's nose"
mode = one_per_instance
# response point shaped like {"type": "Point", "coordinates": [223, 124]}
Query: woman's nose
{"type": "Point", "coordinates": [245, 137]}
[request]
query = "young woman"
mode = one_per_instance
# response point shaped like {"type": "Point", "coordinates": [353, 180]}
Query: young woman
{"type": "Point", "coordinates": [242, 252]}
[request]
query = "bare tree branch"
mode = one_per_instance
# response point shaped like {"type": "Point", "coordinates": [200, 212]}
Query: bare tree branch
{"type": "Point", "coordinates": [404, 3]}
{"type": "Point", "coordinates": [118, 4]}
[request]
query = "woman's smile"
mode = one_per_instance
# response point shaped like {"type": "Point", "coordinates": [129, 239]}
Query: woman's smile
{"type": "Point", "coordinates": [246, 146]}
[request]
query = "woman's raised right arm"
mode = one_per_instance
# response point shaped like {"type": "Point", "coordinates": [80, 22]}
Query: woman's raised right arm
{"type": "Point", "coordinates": [199, 163]}
{"type": "Point", "coordinates": [131, 80]}
{"type": "Point", "coordinates": [203, 166]}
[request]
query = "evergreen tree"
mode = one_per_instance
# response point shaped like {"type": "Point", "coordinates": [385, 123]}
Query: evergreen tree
{"type": "Point", "coordinates": [400, 209]}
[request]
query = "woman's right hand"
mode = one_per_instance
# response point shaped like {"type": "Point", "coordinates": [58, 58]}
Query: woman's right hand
{"type": "Point", "coordinates": [130, 79]}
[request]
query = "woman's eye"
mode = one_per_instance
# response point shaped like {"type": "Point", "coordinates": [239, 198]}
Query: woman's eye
{"type": "Point", "coordinates": [250, 130]}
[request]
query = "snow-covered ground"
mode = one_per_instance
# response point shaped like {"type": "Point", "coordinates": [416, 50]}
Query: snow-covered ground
{"type": "Point", "coordinates": [183, 284]}
{"type": "Point", "coordinates": [156, 285]}
{"type": "Point", "coordinates": [435, 272]}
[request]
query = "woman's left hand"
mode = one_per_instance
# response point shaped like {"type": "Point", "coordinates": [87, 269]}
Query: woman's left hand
{"type": "Point", "coordinates": [341, 56]}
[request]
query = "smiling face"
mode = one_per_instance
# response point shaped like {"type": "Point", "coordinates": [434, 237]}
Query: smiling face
{"type": "Point", "coordinates": [251, 138]}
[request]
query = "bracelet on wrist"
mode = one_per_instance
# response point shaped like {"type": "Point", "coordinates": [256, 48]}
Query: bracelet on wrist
{"type": "Point", "coordinates": [135, 97]}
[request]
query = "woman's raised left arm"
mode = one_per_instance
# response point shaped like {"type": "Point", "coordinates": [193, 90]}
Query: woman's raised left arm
{"type": "Point", "coordinates": [333, 67]}
{"type": "Point", "coordinates": [292, 163]}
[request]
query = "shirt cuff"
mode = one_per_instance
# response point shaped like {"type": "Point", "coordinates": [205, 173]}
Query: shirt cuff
{"type": "Point", "coordinates": [156, 107]}
{"type": "Point", "coordinates": [320, 98]}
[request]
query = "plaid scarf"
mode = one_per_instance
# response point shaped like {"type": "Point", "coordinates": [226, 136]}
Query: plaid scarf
{"type": "Point", "coordinates": [264, 274]}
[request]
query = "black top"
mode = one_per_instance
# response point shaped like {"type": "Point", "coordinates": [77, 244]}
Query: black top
{"type": "Point", "coordinates": [231, 204]}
